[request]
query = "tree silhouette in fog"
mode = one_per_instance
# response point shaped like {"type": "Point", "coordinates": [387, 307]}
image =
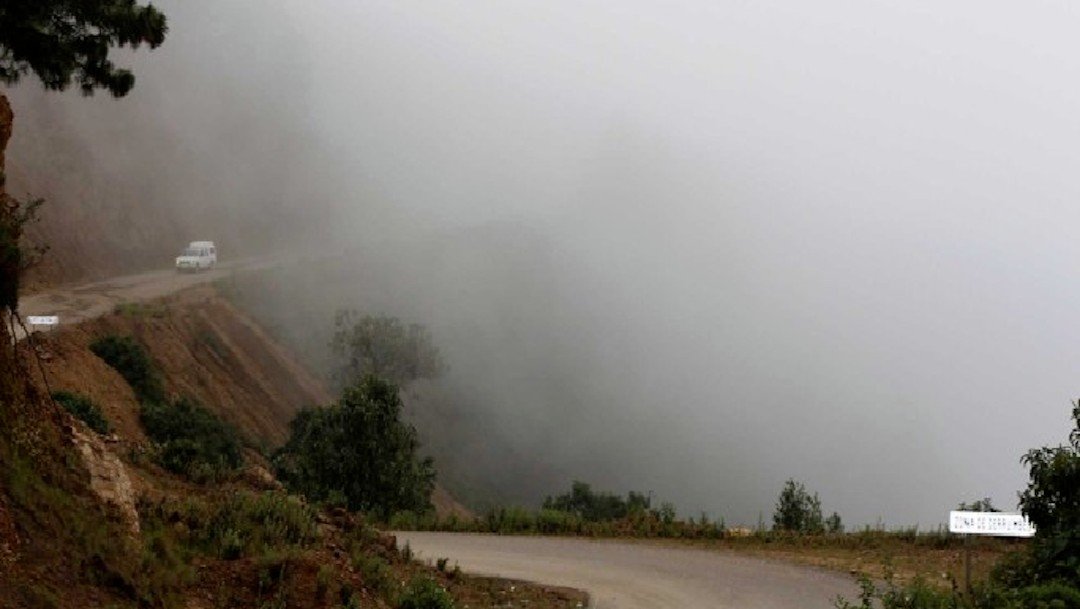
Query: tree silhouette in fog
{"type": "Point", "coordinates": [69, 41]}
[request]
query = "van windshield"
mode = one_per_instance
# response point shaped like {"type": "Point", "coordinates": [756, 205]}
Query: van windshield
{"type": "Point", "coordinates": [192, 252]}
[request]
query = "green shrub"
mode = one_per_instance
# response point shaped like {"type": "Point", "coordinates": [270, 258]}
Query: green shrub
{"type": "Point", "coordinates": [797, 510]}
{"type": "Point", "coordinates": [84, 409]}
{"type": "Point", "coordinates": [323, 580]}
{"type": "Point", "coordinates": [129, 358]}
{"type": "Point", "coordinates": [359, 449]}
{"type": "Point", "coordinates": [424, 593]}
{"type": "Point", "coordinates": [1051, 595]}
{"type": "Point", "coordinates": [248, 524]}
{"type": "Point", "coordinates": [592, 506]}
{"type": "Point", "coordinates": [242, 524]}
{"type": "Point", "coordinates": [1052, 503]}
{"type": "Point", "coordinates": [375, 572]}
{"type": "Point", "coordinates": [191, 440]}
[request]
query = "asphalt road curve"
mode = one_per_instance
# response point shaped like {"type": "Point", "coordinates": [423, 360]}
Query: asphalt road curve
{"type": "Point", "coordinates": [629, 575]}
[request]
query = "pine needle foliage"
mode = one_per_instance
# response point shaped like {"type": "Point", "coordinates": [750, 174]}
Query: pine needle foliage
{"type": "Point", "coordinates": [67, 42]}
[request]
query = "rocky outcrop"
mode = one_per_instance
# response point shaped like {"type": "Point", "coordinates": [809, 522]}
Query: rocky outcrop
{"type": "Point", "coordinates": [108, 476]}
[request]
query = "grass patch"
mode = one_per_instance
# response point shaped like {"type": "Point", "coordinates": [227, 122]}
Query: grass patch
{"type": "Point", "coordinates": [139, 309]}
{"type": "Point", "coordinates": [238, 525]}
{"type": "Point", "coordinates": [425, 593]}
{"type": "Point", "coordinates": [84, 409]}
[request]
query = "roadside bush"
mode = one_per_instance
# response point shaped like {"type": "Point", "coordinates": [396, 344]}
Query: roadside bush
{"type": "Point", "coordinates": [797, 510]}
{"type": "Point", "coordinates": [424, 593]}
{"type": "Point", "coordinates": [890, 595]}
{"type": "Point", "coordinates": [358, 449]}
{"type": "Point", "coordinates": [84, 409]}
{"type": "Point", "coordinates": [834, 525]}
{"type": "Point", "coordinates": [592, 506]}
{"type": "Point", "coordinates": [127, 356]}
{"type": "Point", "coordinates": [237, 525]}
{"type": "Point", "coordinates": [1052, 503]}
{"type": "Point", "coordinates": [191, 440]}
{"type": "Point", "coordinates": [375, 572]}
{"type": "Point", "coordinates": [1046, 576]}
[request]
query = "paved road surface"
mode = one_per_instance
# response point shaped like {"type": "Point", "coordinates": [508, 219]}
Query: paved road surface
{"type": "Point", "coordinates": [79, 303]}
{"type": "Point", "coordinates": [638, 576]}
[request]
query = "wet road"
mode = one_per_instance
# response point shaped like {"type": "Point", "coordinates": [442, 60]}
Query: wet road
{"type": "Point", "coordinates": [637, 575]}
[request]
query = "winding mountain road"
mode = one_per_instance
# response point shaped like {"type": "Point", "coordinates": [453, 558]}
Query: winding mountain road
{"type": "Point", "coordinates": [629, 575]}
{"type": "Point", "coordinates": [617, 575]}
{"type": "Point", "coordinates": [76, 303]}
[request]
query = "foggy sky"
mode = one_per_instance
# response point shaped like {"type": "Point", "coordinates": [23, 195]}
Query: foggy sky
{"type": "Point", "coordinates": [690, 247]}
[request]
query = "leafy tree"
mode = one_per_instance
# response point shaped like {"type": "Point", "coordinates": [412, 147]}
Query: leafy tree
{"type": "Point", "coordinates": [359, 450]}
{"type": "Point", "coordinates": [797, 510]}
{"type": "Point", "coordinates": [833, 524]}
{"type": "Point", "coordinates": [68, 41]}
{"type": "Point", "coordinates": [1052, 503]}
{"type": "Point", "coordinates": [376, 345]}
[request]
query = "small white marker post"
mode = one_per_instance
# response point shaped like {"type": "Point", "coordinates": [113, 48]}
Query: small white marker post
{"type": "Point", "coordinates": [997, 524]}
{"type": "Point", "coordinates": [42, 320]}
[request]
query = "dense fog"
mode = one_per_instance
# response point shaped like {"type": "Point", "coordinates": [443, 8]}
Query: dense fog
{"type": "Point", "coordinates": [694, 248]}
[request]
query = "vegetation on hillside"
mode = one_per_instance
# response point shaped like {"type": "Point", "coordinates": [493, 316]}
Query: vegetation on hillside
{"type": "Point", "coordinates": [582, 502]}
{"type": "Point", "coordinates": [188, 439]}
{"type": "Point", "coordinates": [382, 346]}
{"type": "Point", "coordinates": [125, 355]}
{"type": "Point", "coordinates": [358, 452]}
{"type": "Point", "coordinates": [84, 409]}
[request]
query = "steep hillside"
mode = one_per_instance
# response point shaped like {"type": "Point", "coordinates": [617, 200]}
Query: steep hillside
{"type": "Point", "coordinates": [206, 349]}
{"type": "Point", "coordinates": [88, 520]}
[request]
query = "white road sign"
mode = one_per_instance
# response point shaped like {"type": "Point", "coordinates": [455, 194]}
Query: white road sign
{"type": "Point", "coordinates": [990, 523]}
{"type": "Point", "coordinates": [43, 320]}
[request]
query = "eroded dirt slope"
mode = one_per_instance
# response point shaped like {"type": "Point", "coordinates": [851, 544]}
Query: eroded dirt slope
{"type": "Point", "coordinates": [205, 348]}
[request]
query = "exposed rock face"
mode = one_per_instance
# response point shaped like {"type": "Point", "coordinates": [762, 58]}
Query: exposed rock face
{"type": "Point", "coordinates": [108, 476]}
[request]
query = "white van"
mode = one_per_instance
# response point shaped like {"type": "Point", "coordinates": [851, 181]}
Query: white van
{"type": "Point", "coordinates": [198, 255]}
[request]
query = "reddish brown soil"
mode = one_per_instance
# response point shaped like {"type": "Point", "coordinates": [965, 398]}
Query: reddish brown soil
{"type": "Point", "coordinates": [205, 348]}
